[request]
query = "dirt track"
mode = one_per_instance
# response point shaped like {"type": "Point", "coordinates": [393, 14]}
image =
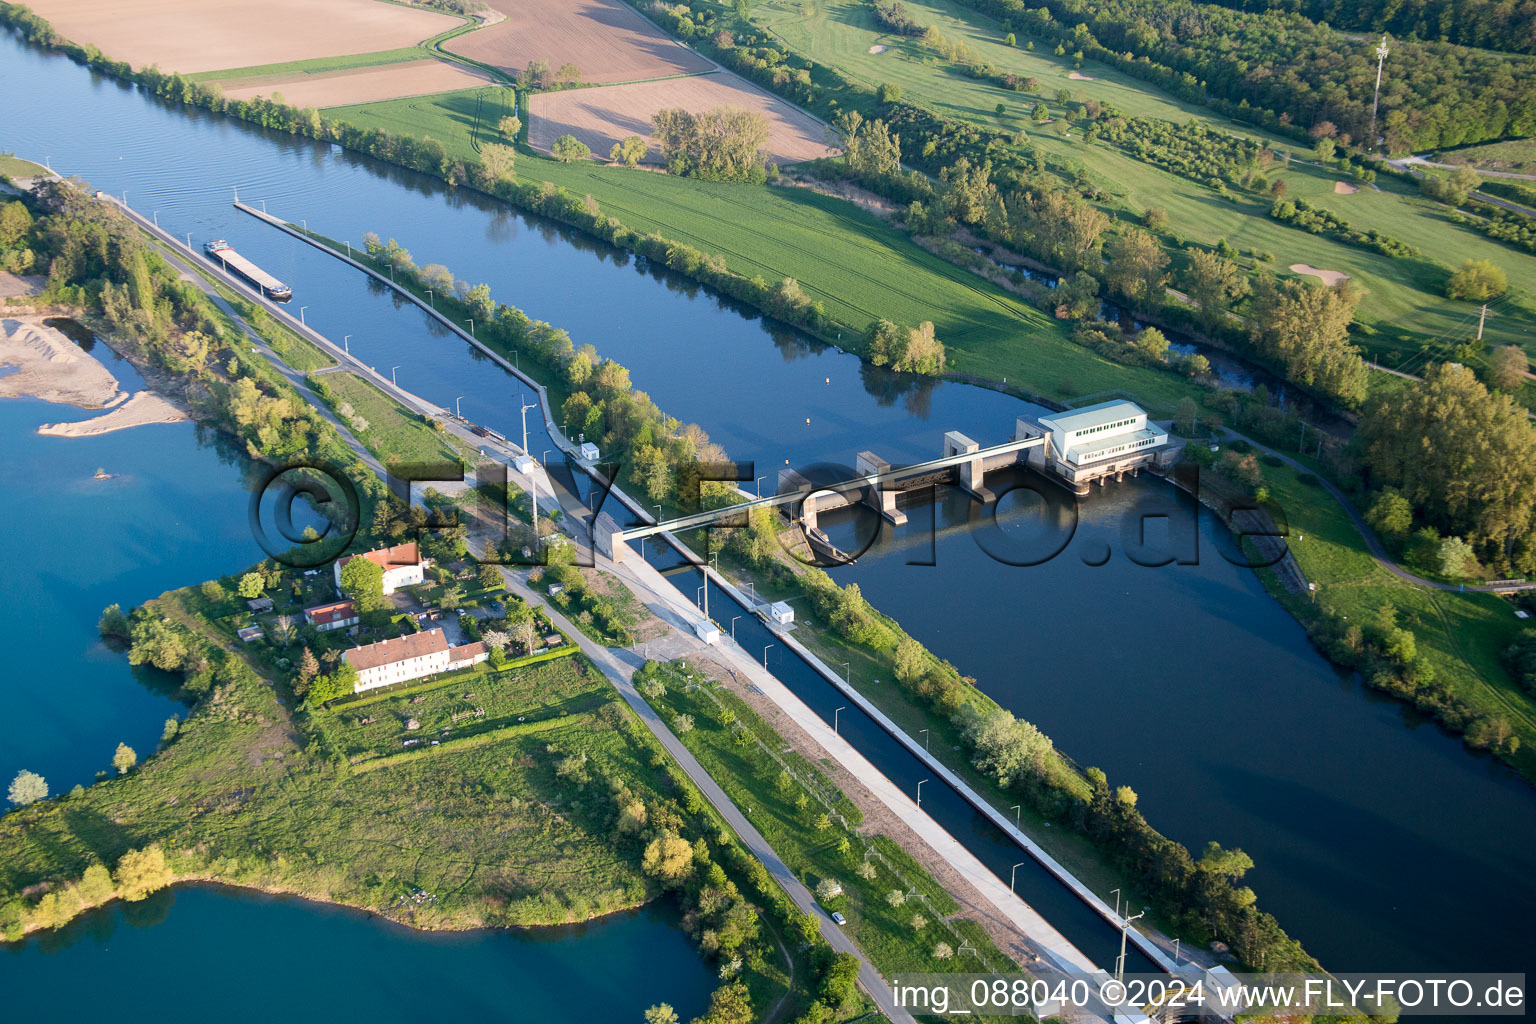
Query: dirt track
{"type": "Point", "coordinates": [601, 117]}
{"type": "Point", "coordinates": [607, 40]}
{"type": "Point", "coordinates": [362, 85]}
{"type": "Point", "coordinates": [195, 35]}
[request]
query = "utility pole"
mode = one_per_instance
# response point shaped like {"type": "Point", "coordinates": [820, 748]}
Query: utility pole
{"type": "Point", "coordinates": [1482, 318]}
{"type": "Point", "coordinates": [1125, 924]}
{"type": "Point", "coordinates": [533, 490]}
{"type": "Point", "coordinates": [1381, 60]}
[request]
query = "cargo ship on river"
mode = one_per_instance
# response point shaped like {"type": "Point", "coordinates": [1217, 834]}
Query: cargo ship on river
{"type": "Point", "coordinates": [232, 260]}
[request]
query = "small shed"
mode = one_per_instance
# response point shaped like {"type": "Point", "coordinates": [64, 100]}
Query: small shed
{"type": "Point", "coordinates": [707, 631]}
{"type": "Point", "coordinates": [781, 612]}
{"type": "Point", "coordinates": [524, 464]}
{"type": "Point", "coordinates": [589, 451]}
{"type": "Point", "coordinates": [251, 633]}
{"type": "Point", "coordinates": [259, 604]}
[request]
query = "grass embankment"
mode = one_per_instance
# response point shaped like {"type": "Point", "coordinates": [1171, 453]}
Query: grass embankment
{"type": "Point", "coordinates": [1404, 299]}
{"type": "Point", "coordinates": [387, 429]}
{"type": "Point", "coordinates": [16, 167]}
{"type": "Point", "coordinates": [1461, 634]}
{"type": "Point", "coordinates": [854, 262]}
{"type": "Point", "coordinates": [254, 74]}
{"type": "Point", "coordinates": [815, 829]}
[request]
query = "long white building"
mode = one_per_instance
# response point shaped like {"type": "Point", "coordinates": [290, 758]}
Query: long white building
{"type": "Point", "coordinates": [413, 656]}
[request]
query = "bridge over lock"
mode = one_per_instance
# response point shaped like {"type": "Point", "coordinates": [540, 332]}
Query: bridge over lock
{"type": "Point", "coordinates": [875, 483]}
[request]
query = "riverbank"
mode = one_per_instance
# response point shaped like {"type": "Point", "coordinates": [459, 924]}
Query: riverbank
{"type": "Point", "coordinates": [51, 367]}
{"type": "Point", "coordinates": [141, 410]}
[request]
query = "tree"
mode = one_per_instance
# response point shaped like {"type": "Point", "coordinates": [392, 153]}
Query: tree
{"type": "Point", "coordinates": [15, 224]}
{"type": "Point", "coordinates": [212, 591]}
{"type": "Point", "coordinates": [496, 161]}
{"type": "Point", "coordinates": [568, 148]}
{"type": "Point", "coordinates": [362, 580]}
{"type": "Point", "coordinates": [628, 151]}
{"type": "Point", "coordinates": [251, 585]}
{"type": "Point", "coordinates": [1462, 455]}
{"type": "Point", "coordinates": [96, 886]}
{"type": "Point", "coordinates": [157, 642]}
{"type": "Point", "coordinates": [943, 951]}
{"type": "Point", "coordinates": [661, 1013]}
{"type": "Point", "coordinates": [170, 729]}
{"type": "Point", "coordinates": [568, 75]}
{"type": "Point", "coordinates": [721, 144]}
{"type": "Point", "coordinates": [888, 92]}
{"type": "Point", "coordinates": [28, 788]}
{"type": "Point", "coordinates": [1507, 367]}
{"type": "Point", "coordinates": [538, 75]}
{"type": "Point", "coordinates": [1006, 748]}
{"type": "Point", "coordinates": [1213, 283]}
{"type": "Point", "coordinates": [142, 872]}
{"type": "Point", "coordinates": [668, 858]}
{"type": "Point", "coordinates": [1324, 150]}
{"type": "Point", "coordinates": [828, 889]}
{"type": "Point", "coordinates": [1457, 558]}
{"type": "Point", "coordinates": [682, 724]}
{"type": "Point", "coordinates": [1306, 328]}
{"type": "Point", "coordinates": [338, 683]}
{"type": "Point", "coordinates": [113, 624]}
{"type": "Point", "coordinates": [1477, 280]}
{"type": "Point", "coordinates": [309, 668]}
{"type": "Point", "coordinates": [1184, 416]}
{"type": "Point", "coordinates": [1152, 343]}
{"type": "Point", "coordinates": [1391, 515]}
{"type": "Point", "coordinates": [124, 758]}
{"type": "Point", "coordinates": [910, 660]}
{"type": "Point", "coordinates": [510, 125]}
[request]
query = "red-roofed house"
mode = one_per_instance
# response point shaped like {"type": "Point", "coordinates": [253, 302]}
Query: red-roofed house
{"type": "Point", "coordinates": [408, 657]}
{"type": "Point", "coordinates": [336, 615]}
{"type": "Point", "coordinates": [401, 564]}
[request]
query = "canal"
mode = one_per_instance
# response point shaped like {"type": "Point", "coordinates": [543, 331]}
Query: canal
{"type": "Point", "coordinates": [1380, 843]}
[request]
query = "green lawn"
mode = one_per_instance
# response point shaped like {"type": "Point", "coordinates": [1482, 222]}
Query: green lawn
{"type": "Point", "coordinates": [1403, 297]}
{"type": "Point", "coordinates": [254, 74]}
{"type": "Point", "coordinates": [392, 433]}
{"type": "Point", "coordinates": [16, 167]}
{"type": "Point", "coordinates": [1517, 155]}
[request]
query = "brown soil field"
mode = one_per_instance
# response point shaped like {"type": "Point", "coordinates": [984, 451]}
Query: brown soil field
{"type": "Point", "coordinates": [194, 35]}
{"type": "Point", "coordinates": [601, 117]}
{"type": "Point", "coordinates": [607, 40]}
{"type": "Point", "coordinates": [361, 85]}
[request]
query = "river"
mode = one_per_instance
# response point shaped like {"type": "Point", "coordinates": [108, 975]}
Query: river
{"type": "Point", "coordinates": [1380, 843]}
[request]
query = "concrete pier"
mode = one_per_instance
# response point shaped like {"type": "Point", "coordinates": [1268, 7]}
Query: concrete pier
{"type": "Point", "coordinates": [972, 471]}
{"type": "Point", "coordinates": [881, 499]}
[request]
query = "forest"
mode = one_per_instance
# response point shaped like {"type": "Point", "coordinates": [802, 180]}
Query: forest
{"type": "Point", "coordinates": [1282, 70]}
{"type": "Point", "coordinates": [1491, 24]}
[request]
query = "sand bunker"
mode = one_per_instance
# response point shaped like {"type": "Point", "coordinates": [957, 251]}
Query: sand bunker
{"type": "Point", "coordinates": [877, 48]}
{"type": "Point", "coordinates": [1329, 277]}
{"type": "Point", "coordinates": [51, 367]}
{"type": "Point", "coordinates": [1081, 78]}
{"type": "Point", "coordinates": [143, 408]}
{"type": "Point", "coordinates": [1343, 189]}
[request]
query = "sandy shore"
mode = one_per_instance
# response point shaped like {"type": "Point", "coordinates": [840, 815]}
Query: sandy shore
{"type": "Point", "coordinates": [51, 367]}
{"type": "Point", "coordinates": [143, 408]}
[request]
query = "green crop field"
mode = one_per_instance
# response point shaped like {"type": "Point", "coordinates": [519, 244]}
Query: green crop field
{"type": "Point", "coordinates": [853, 261]}
{"type": "Point", "coordinates": [1404, 299]}
{"type": "Point", "coordinates": [253, 75]}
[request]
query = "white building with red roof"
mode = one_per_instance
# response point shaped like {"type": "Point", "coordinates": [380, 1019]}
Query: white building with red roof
{"type": "Point", "coordinates": [336, 615]}
{"type": "Point", "coordinates": [408, 657]}
{"type": "Point", "coordinates": [402, 566]}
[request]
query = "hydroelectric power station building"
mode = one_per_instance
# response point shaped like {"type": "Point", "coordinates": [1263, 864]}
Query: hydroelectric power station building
{"type": "Point", "coordinates": [1100, 441]}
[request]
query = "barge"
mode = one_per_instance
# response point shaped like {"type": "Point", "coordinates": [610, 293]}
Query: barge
{"type": "Point", "coordinates": [233, 261]}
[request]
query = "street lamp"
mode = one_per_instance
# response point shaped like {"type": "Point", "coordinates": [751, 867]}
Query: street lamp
{"type": "Point", "coordinates": [346, 343]}
{"type": "Point", "coordinates": [834, 717]}
{"type": "Point", "coordinates": [1117, 901]}
{"type": "Point", "coordinates": [925, 739]}
{"type": "Point", "coordinates": [305, 223]}
{"type": "Point", "coordinates": [155, 215]}
{"type": "Point", "coordinates": [456, 408]}
{"type": "Point", "coordinates": [545, 452]}
{"type": "Point", "coordinates": [392, 379]}
{"type": "Point", "coordinates": [847, 674]}
{"type": "Point", "coordinates": [471, 322]}
{"type": "Point", "coordinates": [430, 300]}
{"type": "Point", "coordinates": [765, 656]}
{"type": "Point", "coordinates": [301, 315]}
{"type": "Point", "coordinates": [920, 793]}
{"type": "Point", "coordinates": [733, 617]}
{"type": "Point", "coordinates": [1018, 810]}
{"type": "Point", "coordinates": [1015, 873]}
{"type": "Point", "coordinates": [1125, 924]}
{"type": "Point", "coordinates": [758, 483]}
{"type": "Point", "coordinates": [658, 513]}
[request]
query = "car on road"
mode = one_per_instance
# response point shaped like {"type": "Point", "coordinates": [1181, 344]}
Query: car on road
{"type": "Point", "coordinates": [838, 918]}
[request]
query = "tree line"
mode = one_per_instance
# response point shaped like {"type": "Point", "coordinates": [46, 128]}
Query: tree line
{"type": "Point", "coordinates": [1489, 24]}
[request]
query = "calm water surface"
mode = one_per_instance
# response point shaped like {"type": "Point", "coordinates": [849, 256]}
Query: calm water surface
{"type": "Point", "coordinates": [1380, 843]}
